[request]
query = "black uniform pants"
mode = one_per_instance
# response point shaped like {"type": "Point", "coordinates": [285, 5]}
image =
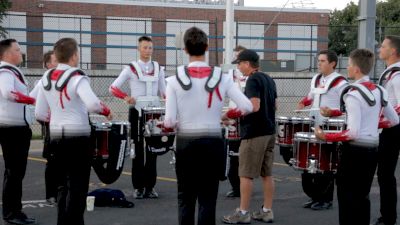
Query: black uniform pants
{"type": "Point", "coordinates": [319, 187]}
{"type": "Point", "coordinates": [388, 154]}
{"type": "Point", "coordinates": [233, 173]}
{"type": "Point", "coordinates": [50, 175]}
{"type": "Point", "coordinates": [354, 178]}
{"type": "Point", "coordinates": [73, 160]}
{"type": "Point", "coordinates": [199, 166]}
{"type": "Point", "coordinates": [15, 142]}
{"type": "Point", "coordinates": [144, 165]}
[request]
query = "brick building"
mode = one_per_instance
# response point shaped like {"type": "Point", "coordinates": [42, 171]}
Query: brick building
{"type": "Point", "coordinates": [108, 30]}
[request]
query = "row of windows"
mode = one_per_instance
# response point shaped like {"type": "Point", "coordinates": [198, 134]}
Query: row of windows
{"type": "Point", "coordinates": [121, 47]}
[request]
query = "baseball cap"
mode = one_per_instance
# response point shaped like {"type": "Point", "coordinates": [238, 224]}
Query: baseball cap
{"type": "Point", "coordinates": [246, 55]}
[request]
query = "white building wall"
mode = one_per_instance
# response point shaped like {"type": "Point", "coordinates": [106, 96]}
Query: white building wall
{"type": "Point", "coordinates": [66, 23]}
{"type": "Point", "coordinates": [251, 34]}
{"type": "Point", "coordinates": [296, 31]}
{"type": "Point", "coordinates": [179, 57]}
{"type": "Point", "coordinates": [16, 20]}
{"type": "Point", "coordinates": [122, 50]}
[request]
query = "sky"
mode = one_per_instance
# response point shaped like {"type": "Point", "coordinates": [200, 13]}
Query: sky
{"type": "Point", "coordinates": [319, 4]}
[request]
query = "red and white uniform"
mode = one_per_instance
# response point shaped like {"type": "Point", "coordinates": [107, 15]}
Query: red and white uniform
{"type": "Point", "coordinates": [363, 119]}
{"type": "Point", "coordinates": [197, 111]}
{"type": "Point", "coordinates": [391, 82]}
{"type": "Point", "coordinates": [70, 107]}
{"type": "Point", "coordinates": [146, 81]}
{"type": "Point", "coordinates": [14, 96]}
{"type": "Point", "coordinates": [325, 92]}
{"type": "Point", "coordinates": [35, 91]}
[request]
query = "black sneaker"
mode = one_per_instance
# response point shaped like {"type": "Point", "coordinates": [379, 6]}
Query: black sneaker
{"type": "Point", "coordinates": [308, 204]}
{"type": "Point", "coordinates": [232, 194]}
{"type": "Point", "coordinates": [380, 221]}
{"type": "Point", "coordinates": [19, 219]}
{"type": "Point", "coordinates": [321, 205]}
{"type": "Point", "coordinates": [138, 193]}
{"type": "Point", "coordinates": [151, 194]}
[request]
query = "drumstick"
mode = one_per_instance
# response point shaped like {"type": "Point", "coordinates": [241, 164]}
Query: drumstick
{"type": "Point", "coordinates": [306, 110]}
{"type": "Point", "coordinates": [309, 110]}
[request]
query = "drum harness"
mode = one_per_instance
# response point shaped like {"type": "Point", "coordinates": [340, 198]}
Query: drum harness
{"type": "Point", "coordinates": [61, 82]}
{"type": "Point", "coordinates": [21, 77]}
{"type": "Point", "coordinates": [367, 95]}
{"type": "Point", "coordinates": [318, 91]}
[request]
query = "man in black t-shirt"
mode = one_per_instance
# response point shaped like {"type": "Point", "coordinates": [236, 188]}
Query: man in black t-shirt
{"type": "Point", "coordinates": [258, 140]}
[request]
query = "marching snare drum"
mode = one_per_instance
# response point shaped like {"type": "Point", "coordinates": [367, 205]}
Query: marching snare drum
{"type": "Point", "coordinates": [314, 155]}
{"type": "Point", "coordinates": [233, 130]}
{"type": "Point", "coordinates": [158, 141]}
{"type": "Point", "coordinates": [288, 126]}
{"type": "Point", "coordinates": [333, 124]}
{"type": "Point", "coordinates": [111, 145]}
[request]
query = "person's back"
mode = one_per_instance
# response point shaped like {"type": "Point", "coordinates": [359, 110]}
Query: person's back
{"type": "Point", "coordinates": [194, 101]}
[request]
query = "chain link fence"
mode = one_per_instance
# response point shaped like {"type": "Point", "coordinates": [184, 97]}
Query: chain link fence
{"type": "Point", "coordinates": [287, 51]}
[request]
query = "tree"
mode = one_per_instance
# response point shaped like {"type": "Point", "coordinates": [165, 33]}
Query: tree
{"type": "Point", "coordinates": [343, 25]}
{"type": "Point", "coordinates": [4, 6]}
{"type": "Point", "coordinates": [343, 29]}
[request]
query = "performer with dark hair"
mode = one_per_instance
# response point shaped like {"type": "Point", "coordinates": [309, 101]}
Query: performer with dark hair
{"type": "Point", "coordinates": [389, 146]}
{"type": "Point", "coordinates": [66, 91]}
{"type": "Point", "coordinates": [15, 133]}
{"type": "Point", "coordinates": [233, 145]}
{"type": "Point", "coordinates": [194, 102]}
{"type": "Point", "coordinates": [363, 102]}
{"type": "Point", "coordinates": [325, 91]}
{"type": "Point", "coordinates": [146, 81]}
{"type": "Point", "coordinates": [50, 177]}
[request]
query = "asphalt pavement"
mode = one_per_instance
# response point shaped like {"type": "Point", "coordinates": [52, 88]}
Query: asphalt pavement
{"type": "Point", "coordinates": [287, 207]}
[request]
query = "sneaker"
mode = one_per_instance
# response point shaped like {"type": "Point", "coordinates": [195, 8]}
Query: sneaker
{"type": "Point", "coordinates": [20, 218]}
{"type": "Point", "coordinates": [237, 218]}
{"type": "Point", "coordinates": [380, 221]}
{"type": "Point", "coordinates": [233, 194]}
{"type": "Point", "coordinates": [308, 204]}
{"type": "Point", "coordinates": [151, 194]}
{"type": "Point", "coordinates": [138, 193]}
{"type": "Point", "coordinates": [51, 201]}
{"type": "Point", "coordinates": [321, 205]}
{"type": "Point", "coordinates": [267, 217]}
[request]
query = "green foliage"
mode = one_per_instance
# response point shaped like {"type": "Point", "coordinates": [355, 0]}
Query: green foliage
{"type": "Point", "coordinates": [4, 6]}
{"type": "Point", "coordinates": [343, 30]}
{"type": "Point", "coordinates": [343, 25]}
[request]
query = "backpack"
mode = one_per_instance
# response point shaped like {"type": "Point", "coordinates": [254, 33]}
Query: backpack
{"type": "Point", "coordinates": [110, 197]}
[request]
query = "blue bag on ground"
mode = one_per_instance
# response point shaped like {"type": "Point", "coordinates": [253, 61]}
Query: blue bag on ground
{"type": "Point", "coordinates": [110, 197]}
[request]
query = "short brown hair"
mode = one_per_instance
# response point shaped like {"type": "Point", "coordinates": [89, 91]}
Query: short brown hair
{"type": "Point", "coordinates": [394, 43]}
{"type": "Point", "coordinates": [47, 58]}
{"type": "Point", "coordinates": [239, 48]}
{"type": "Point", "coordinates": [196, 41]}
{"type": "Point", "coordinates": [64, 49]}
{"type": "Point", "coordinates": [331, 56]}
{"type": "Point", "coordinates": [145, 38]}
{"type": "Point", "coordinates": [363, 58]}
{"type": "Point", "coordinates": [5, 45]}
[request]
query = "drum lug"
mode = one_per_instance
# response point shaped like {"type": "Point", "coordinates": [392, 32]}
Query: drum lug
{"type": "Point", "coordinates": [132, 153]}
{"type": "Point", "coordinates": [292, 162]}
{"type": "Point", "coordinates": [312, 166]}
